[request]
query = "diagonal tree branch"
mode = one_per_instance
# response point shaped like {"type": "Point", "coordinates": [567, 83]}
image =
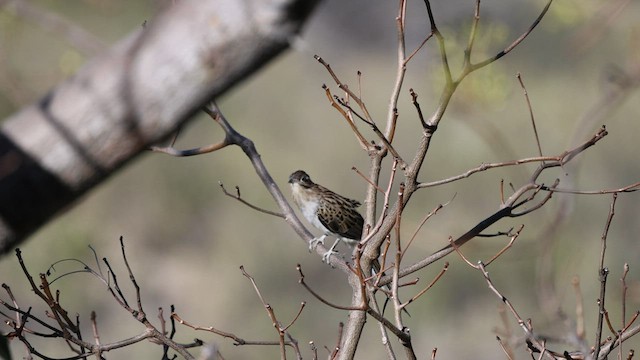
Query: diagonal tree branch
{"type": "Point", "coordinates": [133, 96]}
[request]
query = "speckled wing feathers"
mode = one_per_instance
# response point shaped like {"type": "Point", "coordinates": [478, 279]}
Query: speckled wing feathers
{"type": "Point", "coordinates": [339, 215]}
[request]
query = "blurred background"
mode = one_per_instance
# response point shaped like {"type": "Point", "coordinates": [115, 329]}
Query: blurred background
{"type": "Point", "coordinates": [185, 240]}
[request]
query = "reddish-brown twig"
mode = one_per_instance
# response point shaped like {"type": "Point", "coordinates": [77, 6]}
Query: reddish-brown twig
{"type": "Point", "coordinates": [603, 271]}
{"type": "Point", "coordinates": [323, 300]}
{"type": "Point", "coordinates": [533, 119]}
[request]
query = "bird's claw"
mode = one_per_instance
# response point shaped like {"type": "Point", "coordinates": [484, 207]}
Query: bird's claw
{"type": "Point", "coordinates": [314, 243]}
{"type": "Point", "coordinates": [326, 257]}
{"type": "Point", "coordinates": [332, 250]}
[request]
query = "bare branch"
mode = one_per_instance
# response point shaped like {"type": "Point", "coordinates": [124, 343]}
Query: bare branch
{"type": "Point", "coordinates": [317, 296]}
{"type": "Point", "coordinates": [433, 282]}
{"type": "Point", "coordinates": [170, 150]}
{"type": "Point", "coordinates": [136, 94]}
{"type": "Point", "coordinates": [508, 246]}
{"type": "Point", "coordinates": [237, 340]}
{"type": "Point", "coordinates": [625, 189]}
{"type": "Point", "coordinates": [533, 119]}
{"type": "Point", "coordinates": [553, 161]}
{"type": "Point", "coordinates": [424, 221]}
{"type": "Point", "coordinates": [248, 147]}
{"type": "Point", "coordinates": [367, 179]}
{"type": "Point", "coordinates": [361, 139]}
{"type": "Point", "coordinates": [603, 272]}
{"type": "Point", "coordinates": [515, 43]}
{"type": "Point", "coordinates": [240, 199]}
{"type": "Point", "coordinates": [526, 327]}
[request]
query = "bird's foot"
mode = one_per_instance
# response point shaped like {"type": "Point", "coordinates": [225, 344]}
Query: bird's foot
{"type": "Point", "coordinates": [326, 257]}
{"type": "Point", "coordinates": [313, 243]}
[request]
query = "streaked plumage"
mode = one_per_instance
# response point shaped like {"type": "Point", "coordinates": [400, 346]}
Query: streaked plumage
{"type": "Point", "coordinates": [331, 213]}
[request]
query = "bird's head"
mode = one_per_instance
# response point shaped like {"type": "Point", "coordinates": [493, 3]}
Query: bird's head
{"type": "Point", "coordinates": [300, 178]}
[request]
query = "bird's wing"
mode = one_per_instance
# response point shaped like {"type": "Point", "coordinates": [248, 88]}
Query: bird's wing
{"type": "Point", "coordinates": [337, 198]}
{"type": "Point", "coordinates": [341, 219]}
{"type": "Point", "coordinates": [353, 203]}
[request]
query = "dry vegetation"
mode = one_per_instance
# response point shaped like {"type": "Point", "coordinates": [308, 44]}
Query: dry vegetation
{"type": "Point", "coordinates": [521, 216]}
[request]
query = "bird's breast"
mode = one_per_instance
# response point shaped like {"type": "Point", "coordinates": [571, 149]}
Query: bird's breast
{"type": "Point", "coordinates": [308, 205]}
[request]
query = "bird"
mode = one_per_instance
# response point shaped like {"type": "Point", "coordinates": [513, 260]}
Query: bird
{"type": "Point", "coordinates": [331, 213]}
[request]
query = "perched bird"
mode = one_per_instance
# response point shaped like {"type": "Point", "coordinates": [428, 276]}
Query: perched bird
{"type": "Point", "coordinates": [333, 214]}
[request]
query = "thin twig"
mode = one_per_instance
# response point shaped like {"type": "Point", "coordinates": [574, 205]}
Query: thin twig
{"type": "Point", "coordinates": [96, 336]}
{"type": "Point", "coordinates": [361, 139]}
{"type": "Point", "coordinates": [414, 101]}
{"type": "Point", "coordinates": [386, 141]}
{"type": "Point", "coordinates": [170, 150]}
{"type": "Point", "coordinates": [416, 50]}
{"type": "Point", "coordinates": [533, 119]}
{"type": "Point", "coordinates": [506, 351]}
{"type": "Point", "coordinates": [472, 34]}
{"type": "Point", "coordinates": [240, 199]}
{"type": "Point", "coordinates": [506, 247]}
{"type": "Point", "coordinates": [526, 326]}
{"type": "Point", "coordinates": [424, 220]}
{"type": "Point", "coordinates": [433, 282]}
{"type": "Point", "coordinates": [623, 280]}
{"type": "Point", "coordinates": [324, 301]}
{"type": "Point", "coordinates": [401, 69]}
{"type": "Point", "coordinates": [366, 179]}
{"type": "Point", "coordinates": [603, 272]}
{"type": "Point", "coordinates": [141, 314]}
{"type": "Point", "coordinates": [515, 43]}
{"type": "Point", "coordinates": [336, 349]}
{"type": "Point", "coordinates": [270, 312]}
{"type": "Point", "coordinates": [237, 340]}
{"type": "Point", "coordinates": [625, 189]}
